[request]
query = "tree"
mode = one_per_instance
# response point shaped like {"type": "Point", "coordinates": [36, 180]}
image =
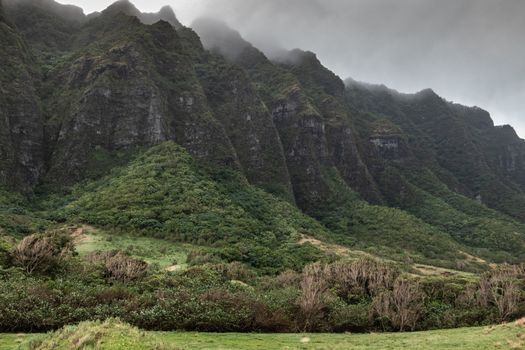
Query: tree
{"type": "Point", "coordinates": [314, 288]}
{"type": "Point", "coordinates": [401, 306]}
{"type": "Point", "coordinates": [502, 288]}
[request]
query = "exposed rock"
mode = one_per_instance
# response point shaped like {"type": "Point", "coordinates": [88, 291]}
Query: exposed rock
{"type": "Point", "coordinates": [132, 93]}
{"type": "Point", "coordinates": [21, 131]}
{"type": "Point", "coordinates": [249, 125]}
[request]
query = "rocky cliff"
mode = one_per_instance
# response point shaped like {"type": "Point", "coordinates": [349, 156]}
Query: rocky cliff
{"type": "Point", "coordinates": [21, 122]}
{"type": "Point", "coordinates": [83, 94]}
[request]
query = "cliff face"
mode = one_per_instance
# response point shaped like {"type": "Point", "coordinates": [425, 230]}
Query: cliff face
{"type": "Point", "coordinates": [460, 144]}
{"type": "Point", "coordinates": [248, 123]}
{"type": "Point", "coordinates": [81, 95]}
{"type": "Point", "coordinates": [134, 87]}
{"type": "Point", "coordinates": [298, 122]}
{"type": "Point", "coordinates": [327, 91]}
{"type": "Point", "coordinates": [21, 132]}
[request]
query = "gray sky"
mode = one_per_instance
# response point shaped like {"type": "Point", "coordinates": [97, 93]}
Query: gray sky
{"type": "Point", "coordinates": [469, 51]}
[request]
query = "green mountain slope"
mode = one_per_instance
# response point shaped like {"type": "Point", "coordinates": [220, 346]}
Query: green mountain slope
{"type": "Point", "coordinates": [165, 193]}
{"type": "Point", "coordinates": [405, 172]}
{"type": "Point", "coordinates": [406, 177]}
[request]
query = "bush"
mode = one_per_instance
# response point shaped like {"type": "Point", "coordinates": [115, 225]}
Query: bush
{"type": "Point", "coordinates": [42, 253]}
{"type": "Point", "coordinates": [119, 266]}
{"type": "Point", "coordinates": [402, 306]}
{"type": "Point", "coordinates": [235, 271]}
{"type": "Point", "coordinates": [502, 288]}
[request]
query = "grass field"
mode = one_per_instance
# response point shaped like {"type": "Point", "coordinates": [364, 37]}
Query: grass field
{"type": "Point", "coordinates": [154, 251]}
{"type": "Point", "coordinates": [509, 336]}
{"type": "Point", "coordinates": [501, 337]}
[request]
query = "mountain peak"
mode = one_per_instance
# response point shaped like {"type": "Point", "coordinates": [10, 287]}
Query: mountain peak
{"type": "Point", "coordinates": [295, 57]}
{"type": "Point", "coordinates": [166, 14]}
{"type": "Point", "coordinates": [167, 11]}
{"type": "Point", "coordinates": [67, 12]}
{"type": "Point", "coordinates": [427, 93]}
{"type": "Point", "coordinates": [122, 6]}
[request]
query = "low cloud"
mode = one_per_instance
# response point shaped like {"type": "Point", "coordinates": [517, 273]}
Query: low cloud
{"type": "Point", "coordinates": [469, 51]}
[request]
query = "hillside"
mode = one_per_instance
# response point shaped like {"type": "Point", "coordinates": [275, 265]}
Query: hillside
{"type": "Point", "coordinates": [251, 193]}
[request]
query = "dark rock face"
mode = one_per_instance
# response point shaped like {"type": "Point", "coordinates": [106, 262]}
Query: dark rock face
{"type": "Point", "coordinates": [299, 124]}
{"type": "Point", "coordinates": [249, 125]}
{"type": "Point", "coordinates": [122, 94]}
{"type": "Point", "coordinates": [21, 132]}
{"type": "Point", "coordinates": [327, 92]}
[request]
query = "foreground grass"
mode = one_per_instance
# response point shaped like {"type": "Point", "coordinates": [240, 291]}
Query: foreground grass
{"type": "Point", "coordinates": [500, 337]}
{"type": "Point", "coordinates": [113, 334]}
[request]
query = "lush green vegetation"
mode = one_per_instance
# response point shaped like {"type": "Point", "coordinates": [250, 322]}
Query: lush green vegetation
{"type": "Point", "coordinates": [164, 193]}
{"type": "Point", "coordinates": [207, 294]}
{"type": "Point", "coordinates": [224, 256]}
{"type": "Point", "coordinates": [266, 228]}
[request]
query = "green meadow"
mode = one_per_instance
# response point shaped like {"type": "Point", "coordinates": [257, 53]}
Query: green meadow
{"type": "Point", "coordinates": [113, 334]}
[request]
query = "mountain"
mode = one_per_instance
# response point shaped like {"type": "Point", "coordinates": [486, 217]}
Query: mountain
{"type": "Point", "coordinates": [142, 124]}
{"type": "Point", "coordinates": [21, 120]}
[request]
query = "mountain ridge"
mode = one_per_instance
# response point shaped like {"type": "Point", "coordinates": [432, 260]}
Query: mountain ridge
{"type": "Point", "coordinates": [113, 84]}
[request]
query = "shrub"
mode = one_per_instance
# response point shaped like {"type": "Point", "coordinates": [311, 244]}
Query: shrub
{"type": "Point", "coordinates": [401, 306]}
{"type": "Point", "coordinates": [314, 294]}
{"type": "Point", "coordinates": [5, 252]}
{"type": "Point", "coordinates": [119, 266]}
{"type": "Point", "coordinates": [502, 288]}
{"type": "Point", "coordinates": [42, 253]}
{"type": "Point", "coordinates": [235, 271]}
{"type": "Point", "coordinates": [199, 257]}
{"type": "Point", "coordinates": [361, 278]}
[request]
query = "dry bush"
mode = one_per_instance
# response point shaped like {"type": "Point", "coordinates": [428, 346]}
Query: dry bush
{"type": "Point", "coordinates": [365, 276]}
{"type": "Point", "coordinates": [502, 288]}
{"type": "Point", "coordinates": [401, 306]}
{"type": "Point", "coordinates": [119, 266]}
{"type": "Point", "coordinates": [42, 253]}
{"type": "Point", "coordinates": [314, 288]}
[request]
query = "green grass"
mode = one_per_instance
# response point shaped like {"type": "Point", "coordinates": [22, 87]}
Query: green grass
{"type": "Point", "coordinates": [112, 333]}
{"type": "Point", "coordinates": [152, 250]}
{"type": "Point", "coordinates": [464, 338]}
{"type": "Point", "coordinates": [11, 341]}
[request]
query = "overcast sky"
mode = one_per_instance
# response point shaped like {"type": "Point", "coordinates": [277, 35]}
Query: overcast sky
{"type": "Point", "coordinates": [469, 51]}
